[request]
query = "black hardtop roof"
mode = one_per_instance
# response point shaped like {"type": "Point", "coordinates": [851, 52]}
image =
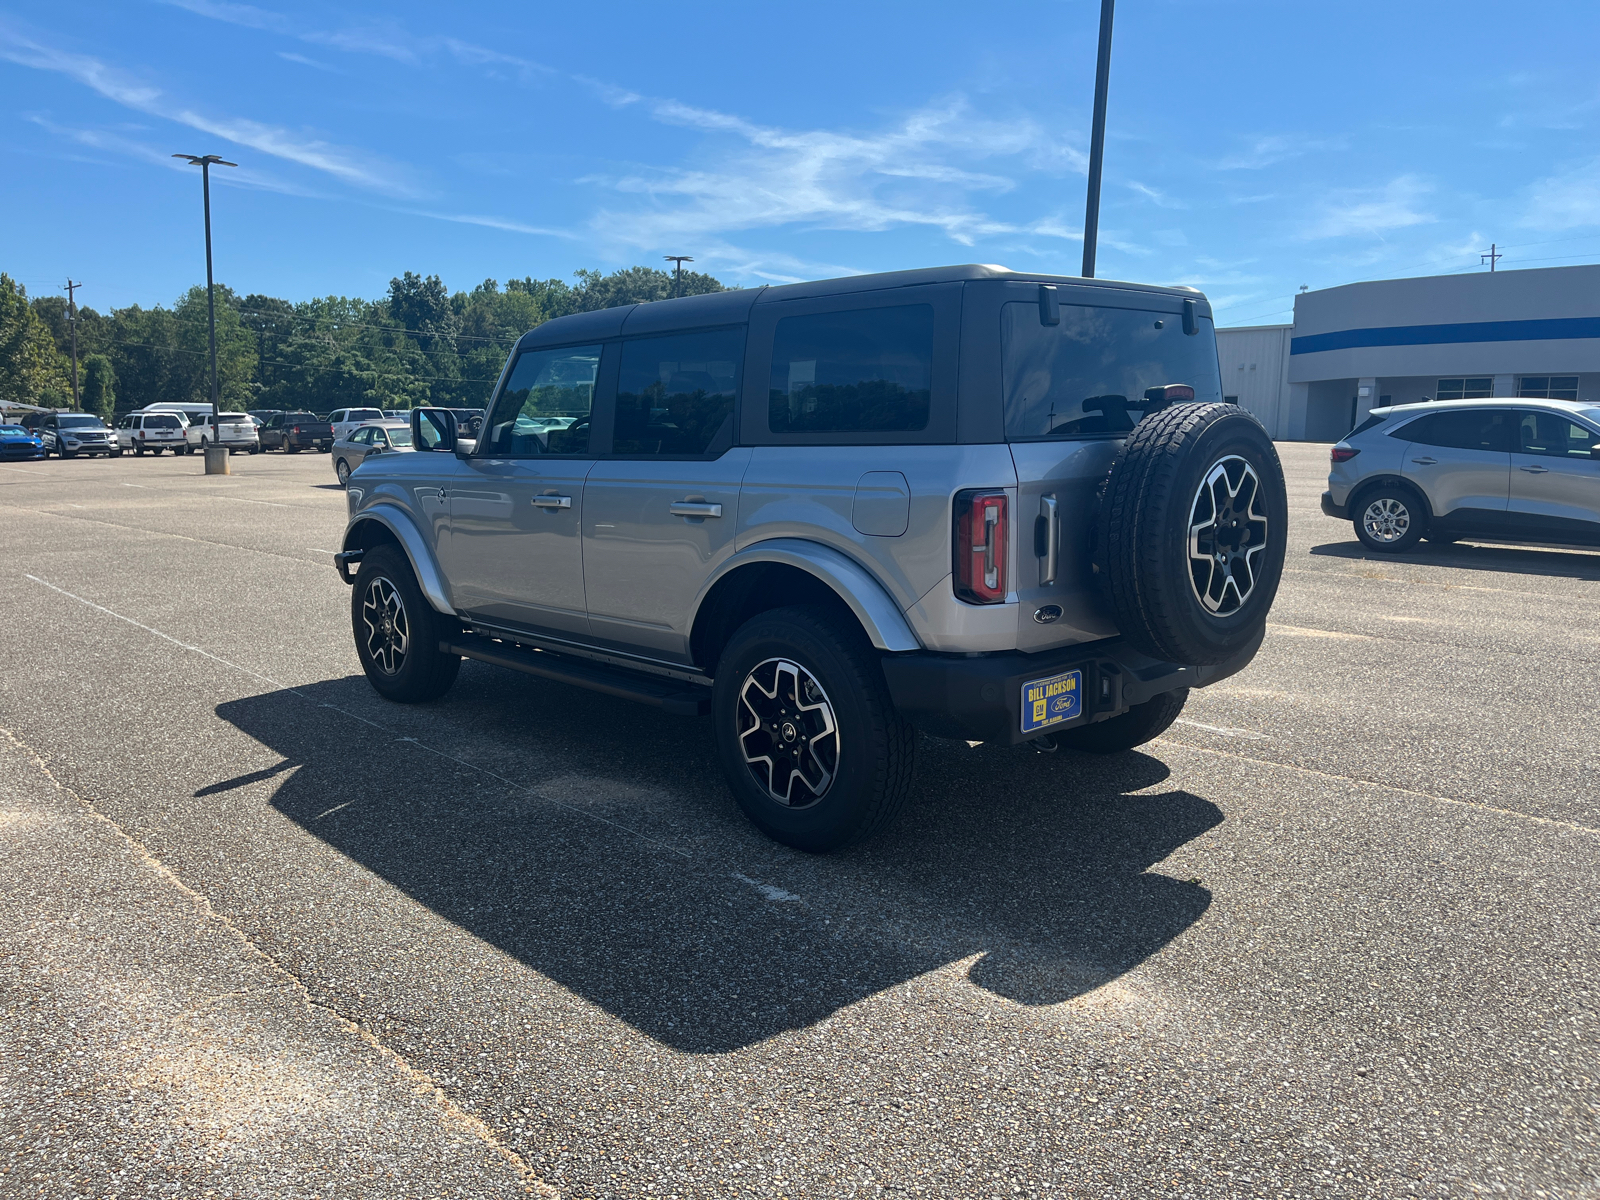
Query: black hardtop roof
{"type": "Point", "coordinates": [733, 307]}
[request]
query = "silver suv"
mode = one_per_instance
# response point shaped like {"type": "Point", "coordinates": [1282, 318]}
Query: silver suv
{"type": "Point", "coordinates": [983, 504]}
{"type": "Point", "coordinates": [1499, 470]}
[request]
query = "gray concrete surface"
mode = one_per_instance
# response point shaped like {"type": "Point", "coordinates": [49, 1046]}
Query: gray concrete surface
{"type": "Point", "coordinates": [1335, 935]}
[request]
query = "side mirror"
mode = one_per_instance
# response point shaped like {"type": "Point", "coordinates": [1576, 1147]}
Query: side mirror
{"type": "Point", "coordinates": [1594, 451]}
{"type": "Point", "coordinates": [433, 429]}
{"type": "Point", "coordinates": [374, 449]}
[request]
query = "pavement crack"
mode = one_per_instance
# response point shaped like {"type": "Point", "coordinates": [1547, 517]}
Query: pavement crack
{"type": "Point", "coordinates": [452, 1112]}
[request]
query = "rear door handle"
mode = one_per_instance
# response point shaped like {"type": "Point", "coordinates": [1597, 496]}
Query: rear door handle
{"type": "Point", "coordinates": [1537, 470]}
{"type": "Point", "coordinates": [552, 501]}
{"type": "Point", "coordinates": [1426, 462]}
{"type": "Point", "coordinates": [694, 508]}
{"type": "Point", "coordinates": [1052, 536]}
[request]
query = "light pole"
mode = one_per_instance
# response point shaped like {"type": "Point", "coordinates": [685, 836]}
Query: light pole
{"type": "Point", "coordinates": [677, 278]}
{"type": "Point", "coordinates": [216, 452]}
{"type": "Point", "coordinates": [1097, 139]}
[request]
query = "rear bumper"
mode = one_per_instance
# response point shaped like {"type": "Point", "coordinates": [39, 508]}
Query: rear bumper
{"type": "Point", "coordinates": [980, 699]}
{"type": "Point", "coordinates": [1329, 508]}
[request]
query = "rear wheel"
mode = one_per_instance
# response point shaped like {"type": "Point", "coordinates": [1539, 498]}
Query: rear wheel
{"type": "Point", "coordinates": [810, 741]}
{"type": "Point", "coordinates": [1390, 518]}
{"type": "Point", "coordinates": [397, 631]}
{"type": "Point", "coordinates": [1140, 724]}
{"type": "Point", "coordinates": [342, 470]}
{"type": "Point", "coordinates": [288, 449]}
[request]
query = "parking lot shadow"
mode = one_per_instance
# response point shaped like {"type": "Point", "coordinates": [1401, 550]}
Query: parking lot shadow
{"type": "Point", "coordinates": [1557, 562]}
{"type": "Point", "coordinates": [1035, 865]}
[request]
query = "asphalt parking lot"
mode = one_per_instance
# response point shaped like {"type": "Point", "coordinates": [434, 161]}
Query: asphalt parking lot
{"type": "Point", "coordinates": [266, 934]}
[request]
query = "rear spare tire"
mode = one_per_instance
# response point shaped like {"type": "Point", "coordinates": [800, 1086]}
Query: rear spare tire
{"type": "Point", "coordinates": [1192, 532]}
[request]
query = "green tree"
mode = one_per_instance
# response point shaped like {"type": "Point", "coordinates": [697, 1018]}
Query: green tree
{"type": "Point", "coordinates": [99, 386]}
{"type": "Point", "coordinates": [236, 350]}
{"type": "Point", "coordinates": [29, 370]}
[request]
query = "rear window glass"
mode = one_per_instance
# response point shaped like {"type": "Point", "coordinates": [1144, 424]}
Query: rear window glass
{"type": "Point", "coordinates": [399, 437]}
{"type": "Point", "coordinates": [1369, 423]}
{"type": "Point", "coordinates": [233, 419]}
{"type": "Point", "coordinates": [304, 419]}
{"type": "Point", "coordinates": [675, 394]}
{"type": "Point", "coordinates": [164, 422]}
{"type": "Point", "coordinates": [1089, 374]}
{"type": "Point", "coordinates": [364, 414]}
{"type": "Point", "coordinates": [869, 370]}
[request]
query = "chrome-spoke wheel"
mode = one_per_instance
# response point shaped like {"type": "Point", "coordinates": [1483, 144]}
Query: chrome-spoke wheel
{"type": "Point", "coordinates": [1227, 536]}
{"type": "Point", "coordinates": [388, 632]}
{"type": "Point", "coordinates": [1386, 520]}
{"type": "Point", "coordinates": [788, 733]}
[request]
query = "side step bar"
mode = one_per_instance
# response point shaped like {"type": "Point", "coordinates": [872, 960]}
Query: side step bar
{"type": "Point", "coordinates": [666, 694]}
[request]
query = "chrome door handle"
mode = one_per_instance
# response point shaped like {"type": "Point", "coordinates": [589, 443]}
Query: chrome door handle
{"type": "Point", "coordinates": [1426, 462]}
{"type": "Point", "coordinates": [552, 501]}
{"type": "Point", "coordinates": [1537, 470]}
{"type": "Point", "coordinates": [694, 508]}
{"type": "Point", "coordinates": [1052, 534]}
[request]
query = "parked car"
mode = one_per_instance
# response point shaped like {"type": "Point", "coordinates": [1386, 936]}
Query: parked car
{"type": "Point", "coordinates": [263, 415]}
{"type": "Point", "coordinates": [1496, 470]}
{"type": "Point", "coordinates": [828, 514]}
{"type": "Point", "coordinates": [346, 421]}
{"type": "Point", "coordinates": [151, 432]}
{"type": "Point", "coordinates": [18, 442]}
{"type": "Point", "coordinates": [469, 420]}
{"type": "Point", "coordinates": [293, 432]}
{"type": "Point", "coordinates": [192, 412]}
{"type": "Point", "coordinates": [237, 432]}
{"type": "Point", "coordinates": [377, 437]}
{"type": "Point", "coordinates": [69, 434]}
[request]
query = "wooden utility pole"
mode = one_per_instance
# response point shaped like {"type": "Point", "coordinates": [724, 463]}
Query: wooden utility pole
{"type": "Point", "coordinates": [72, 325]}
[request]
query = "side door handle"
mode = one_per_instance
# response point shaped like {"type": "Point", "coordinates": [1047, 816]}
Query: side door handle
{"type": "Point", "coordinates": [552, 501]}
{"type": "Point", "coordinates": [1425, 462]}
{"type": "Point", "coordinates": [1049, 526]}
{"type": "Point", "coordinates": [1537, 470]}
{"type": "Point", "coordinates": [694, 508]}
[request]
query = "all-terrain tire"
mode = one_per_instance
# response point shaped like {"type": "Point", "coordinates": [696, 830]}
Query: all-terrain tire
{"type": "Point", "coordinates": [1180, 468]}
{"type": "Point", "coordinates": [1140, 724]}
{"type": "Point", "coordinates": [397, 631]}
{"type": "Point", "coordinates": [819, 670]}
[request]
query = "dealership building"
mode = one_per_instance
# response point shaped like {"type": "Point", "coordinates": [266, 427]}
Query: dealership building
{"type": "Point", "coordinates": [1397, 341]}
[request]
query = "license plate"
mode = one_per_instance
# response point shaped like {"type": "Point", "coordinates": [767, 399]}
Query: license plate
{"type": "Point", "coordinates": [1047, 702]}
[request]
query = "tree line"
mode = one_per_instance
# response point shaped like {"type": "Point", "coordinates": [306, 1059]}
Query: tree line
{"type": "Point", "coordinates": [420, 344]}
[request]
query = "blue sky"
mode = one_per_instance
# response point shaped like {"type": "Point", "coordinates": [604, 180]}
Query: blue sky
{"type": "Point", "coordinates": [1253, 146]}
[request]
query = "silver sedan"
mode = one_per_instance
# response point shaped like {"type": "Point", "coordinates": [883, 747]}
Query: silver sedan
{"type": "Point", "coordinates": [375, 437]}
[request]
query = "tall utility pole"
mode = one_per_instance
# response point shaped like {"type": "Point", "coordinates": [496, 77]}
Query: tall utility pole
{"type": "Point", "coordinates": [677, 278]}
{"type": "Point", "coordinates": [1097, 139]}
{"type": "Point", "coordinates": [72, 324]}
{"type": "Point", "coordinates": [204, 161]}
{"type": "Point", "coordinates": [1491, 258]}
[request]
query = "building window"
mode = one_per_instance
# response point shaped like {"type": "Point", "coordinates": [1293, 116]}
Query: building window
{"type": "Point", "coordinates": [1548, 387]}
{"type": "Point", "coordinates": [1465, 389]}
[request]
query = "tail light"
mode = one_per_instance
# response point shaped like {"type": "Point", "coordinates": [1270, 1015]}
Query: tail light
{"type": "Point", "coordinates": [1343, 453]}
{"type": "Point", "coordinates": [296, 429]}
{"type": "Point", "coordinates": [981, 535]}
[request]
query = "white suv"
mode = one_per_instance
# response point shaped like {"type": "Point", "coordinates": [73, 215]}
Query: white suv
{"type": "Point", "coordinates": [238, 433]}
{"type": "Point", "coordinates": [152, 431]}
{"type": "Point", "coordinates": [346, 421]}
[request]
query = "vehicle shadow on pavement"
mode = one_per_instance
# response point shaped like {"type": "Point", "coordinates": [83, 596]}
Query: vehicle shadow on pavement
{"type": "Point", "coordinates": [1554, 561]}
{"type": "Point", "coordinates": [637, 889]}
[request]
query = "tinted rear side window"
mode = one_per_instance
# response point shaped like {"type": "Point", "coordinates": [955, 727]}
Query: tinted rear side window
{"type": "Point", "coordinates": [867, 370]}
{"type": "Point", "coordinates": [1088, 375]}
{"type": "Point", "coordinates": [675, 394]}
{"type": "Point", "coordinates": [1469, 429]}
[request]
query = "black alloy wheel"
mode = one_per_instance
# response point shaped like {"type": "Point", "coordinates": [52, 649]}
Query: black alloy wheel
{"type": "Point", "coordinates": [397, 632]}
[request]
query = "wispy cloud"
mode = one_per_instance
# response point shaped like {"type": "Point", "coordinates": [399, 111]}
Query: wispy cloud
{"type": "Point", "coordinates": [290, 56]}
{"type": "Point", "coordinates": [1396, 205]}
{"type": "Point", "coordinates": [347, 164]}
{"type": "Point", "coordinates": [1266, 150]}
{"type": "Point", "coordinates": [1569, 199]}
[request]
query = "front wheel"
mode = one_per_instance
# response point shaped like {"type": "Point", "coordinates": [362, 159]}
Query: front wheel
{"type": "Point", "coordinates": [1390, 518]}
{"type": "Point", "coordinates": [397, 631]}
{"type": "Point", "coordinates": [1140, 724]}
{"type": "Point", "coordinates": [810, 741]}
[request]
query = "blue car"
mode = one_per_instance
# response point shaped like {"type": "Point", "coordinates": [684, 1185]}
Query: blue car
{"type": "Point", "coordinates": [17, 443]}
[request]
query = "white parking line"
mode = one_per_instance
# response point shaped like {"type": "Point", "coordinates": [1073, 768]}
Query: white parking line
{"type": "Point", "coordinates": [242, 500]}
{"type": "Point", "coordinates": [1224, 730]}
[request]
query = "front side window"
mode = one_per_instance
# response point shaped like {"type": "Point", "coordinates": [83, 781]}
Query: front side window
{"type": "Point", "coordinates": [544, 384]}
{"type": "Point", "coordinates": [1089, 374]}
{"type": "Point", "coordinates": [675, 394]}
{"type": "Point", "coordinates": [1475, 388]}
{"type": "Point", "coordinates": [869, 370]}
{"type": "Point", "coordinates": [1467, 429]}
{"type": "Point", "coordinates": [1554, 436]}
{"type": "Point", "coordinates": [1548, 387]}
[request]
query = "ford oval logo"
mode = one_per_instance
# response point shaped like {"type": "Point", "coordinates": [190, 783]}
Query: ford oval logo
{"type": "Point", "coordinates": [1050, 612]}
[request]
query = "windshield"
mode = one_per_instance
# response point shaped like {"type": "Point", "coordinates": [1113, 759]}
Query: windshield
{"type": "Point", "coordinates": [78, 423]}
{"type": "Point", "coordinates": [1088, 375]}
{"type": "Point", "coordinates": [399, 437]}
{"type": "Point", "coordinates": [13, 431]}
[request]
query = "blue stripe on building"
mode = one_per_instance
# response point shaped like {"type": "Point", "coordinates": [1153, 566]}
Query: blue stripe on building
{"type": "Point", "coordinates": [1551, 329]}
